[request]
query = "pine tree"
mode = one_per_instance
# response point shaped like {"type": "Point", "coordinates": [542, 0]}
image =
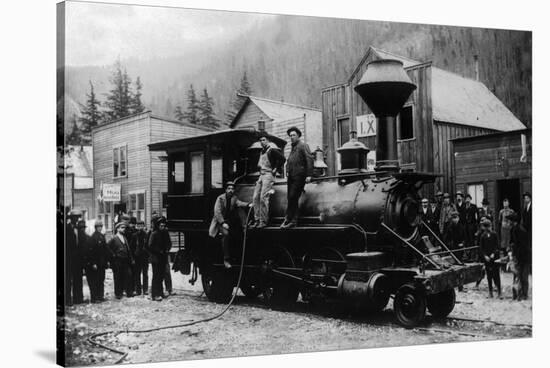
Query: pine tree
{"type": "Point", "coordinates": [119, 97]}
{"type": "Point", "coordinates": [238, 101]}
{"type": "Point", "coordinates": [74, 138]}
{"type": "Point", "coordinates": [192, 113]}
{"type": "Point", "coordinates": [137, 105]}
{"type": "Point", "coordinates": [206, 111]}
{"type": "Point", "coordinates": [90, 115]}
{"type": "Point", "coordinates": [178, 113]}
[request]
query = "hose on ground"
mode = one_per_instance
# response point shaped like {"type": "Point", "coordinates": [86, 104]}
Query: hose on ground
{"type": "Point", "coordinates": [188, 323]}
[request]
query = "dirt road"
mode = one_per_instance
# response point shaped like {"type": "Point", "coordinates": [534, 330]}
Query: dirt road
{"type": "Point", "coordinates": [251, 328]}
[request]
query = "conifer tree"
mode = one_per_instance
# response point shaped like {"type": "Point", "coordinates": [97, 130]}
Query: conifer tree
{"type": "Point", "coordinates": [206, 111]}
{"type": "Point", "coordinates": [73, 138]}
{"type": "Point", "coordinates": [238, 101]}
{"type": "Point", "coordinates": [119, 97]}
{"type": "Point", "coordinates": [192, 113]}
{"type": "Point", "coordinates": [90, 115]}
{"type": "Point", "coordinates": [178, 113]}
{"type": "Point", "coordinates": [137, 105]}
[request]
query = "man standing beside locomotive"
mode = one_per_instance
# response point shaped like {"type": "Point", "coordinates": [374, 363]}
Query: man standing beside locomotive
{"type": "Point", "coordinates": [271, 160]}
{"type": "Point", "coordinates": [445, 213]}
{"type": "Point", "coordinates": [224, 219]}
{"type": "Point", "coordinates": [158, 246]}
{"type": "Point", "coordinates": [299, 170]}
{"type": "Point", "coordinates": [122, 262]}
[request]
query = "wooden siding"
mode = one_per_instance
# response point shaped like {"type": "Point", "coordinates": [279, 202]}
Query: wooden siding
{"type": "Point", "coordinates": [489, 159]}
{"type": "Point", "coordinates": [84, 201]}
{"type": "Point", "coordinates": [335, 105]}
{"type": "Point", "coordinates": [145, 171]}
{"type": "Point", "coordinates": [250, 115]}
{"type": "Point", "coordinates": [443, 153]}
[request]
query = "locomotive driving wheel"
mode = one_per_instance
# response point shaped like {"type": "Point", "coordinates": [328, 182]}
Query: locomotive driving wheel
{"type": "Point", "coordinates": [409, 305]}
{"type": "Point", "coordinates": [442, 304]}
{"type": "Point", "coordinates": [217, 286]}
{"type": "Point", "coordinates": [275, 289]}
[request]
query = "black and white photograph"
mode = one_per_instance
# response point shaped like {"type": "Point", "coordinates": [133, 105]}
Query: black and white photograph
{"type": "Point", "coordinates": [240, 183]}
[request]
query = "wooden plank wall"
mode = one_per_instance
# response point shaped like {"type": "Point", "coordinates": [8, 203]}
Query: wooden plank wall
{"type": "Point", "coordinates": [335, 105]}
{"type": "Point", "coordinates": [250, 116]}
{"type": "Point", "coordinates": [443, 154]}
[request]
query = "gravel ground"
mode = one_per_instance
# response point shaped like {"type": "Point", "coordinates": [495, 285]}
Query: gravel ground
{"type": "Point", "coordinates": [251, 328]}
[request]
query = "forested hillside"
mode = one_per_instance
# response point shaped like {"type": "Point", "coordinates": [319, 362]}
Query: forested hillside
{"type": "Point", "coordinates": [293, 58]}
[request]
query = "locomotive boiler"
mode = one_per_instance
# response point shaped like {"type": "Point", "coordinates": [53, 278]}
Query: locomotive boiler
{"type": "Point", "coordinates": [358, 239]}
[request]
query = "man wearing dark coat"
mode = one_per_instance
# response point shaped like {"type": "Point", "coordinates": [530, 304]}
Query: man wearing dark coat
{"type": "Point", "coordinates": [299, 170]}
{"type": "Point", "coordinates": [489, 252]}
{"type": "Point", "coordinates": [427, 216]}
{"type": "Point", "coordinates": [78, 265]}
{"type": "Point", "coordinates": [141, 257]}
{"type": "Point", "coordinates": [121, 262]}
{"type": "Point", "coordinates": [158, 247]}
{"type": "Point", "coordinates": [225, 220]}
{"type": "Point", "coordinates": [73, 287]}
{"type": "Point", "coordinates": [95, 263]}
{"type": "Point", "coordinates": [470, 223]}
{"type": "Point", "coordinates": [520, 250]}
{"type": "Point", "coordinates": [526, 221]}
{"type": "Point", "coordinates": [454, 233]}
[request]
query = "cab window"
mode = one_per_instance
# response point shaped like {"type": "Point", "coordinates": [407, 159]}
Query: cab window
{"type": "Point", "coordinates": [197, 172]}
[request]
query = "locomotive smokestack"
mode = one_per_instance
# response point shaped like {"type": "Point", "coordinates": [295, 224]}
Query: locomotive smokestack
{"type": "Point", "coordinates": [385, 87]}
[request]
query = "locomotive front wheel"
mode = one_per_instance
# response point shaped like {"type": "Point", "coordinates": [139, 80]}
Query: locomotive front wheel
{"type": "Point", "coordinates": [441, 305]}
{"type": "Point", "coordinates": [278, 291]}
{"type": "Point", "coordinates": [409, 305]}
{"type": "Point", "coordinates": [249, 290]}
{"type": "Point", "coordinates": [217, 286]}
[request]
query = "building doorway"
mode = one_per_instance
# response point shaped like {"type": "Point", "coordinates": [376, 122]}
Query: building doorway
{"type": "Point", "coordinates": [510, 189]}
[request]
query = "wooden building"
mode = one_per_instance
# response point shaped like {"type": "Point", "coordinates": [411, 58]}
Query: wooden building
{"type": "Point", "coordinates": [443, 106]}
{"type": "Point", "coordinates": [123, 165]}
{"type": "Point", "coordinates": [494, 166]}
{"type": "Point", "coordinates": [278, 117]}
{"type": "Point", "coordinates": [77, 174]}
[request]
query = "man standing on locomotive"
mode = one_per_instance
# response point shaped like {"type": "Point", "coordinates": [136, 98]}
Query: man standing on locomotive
{"type": "Point", "coordinates": [225, 219]}
{"type": "Point", "coordinates": [271, 160]}
{"type": "Point", "coordinates": [299, 170]}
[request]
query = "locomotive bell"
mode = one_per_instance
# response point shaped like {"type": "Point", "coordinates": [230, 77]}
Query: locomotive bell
{"type": "Point", "coordinates": [319, 165]}
{"type": "Point", "coordinates": [385, 87]}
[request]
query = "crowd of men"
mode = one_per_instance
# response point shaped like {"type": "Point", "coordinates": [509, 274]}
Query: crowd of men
{"type": "Point", "coordinates": [128, 253]}
{"type": "Point", "coordinates": [502, 241]}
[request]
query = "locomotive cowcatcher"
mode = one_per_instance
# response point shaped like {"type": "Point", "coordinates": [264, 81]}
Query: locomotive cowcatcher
{"type": "Point", "coordinates": [359, 235]}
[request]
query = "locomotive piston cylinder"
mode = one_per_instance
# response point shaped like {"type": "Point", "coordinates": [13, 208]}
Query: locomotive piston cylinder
{"type": "Point", "coordinates": [385, 87]}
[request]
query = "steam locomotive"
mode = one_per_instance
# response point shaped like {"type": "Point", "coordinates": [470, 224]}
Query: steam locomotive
{"type": "Point", "coordinates": [358, 239]}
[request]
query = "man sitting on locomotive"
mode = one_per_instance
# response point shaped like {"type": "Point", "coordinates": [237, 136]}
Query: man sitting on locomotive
{"type": "Point", "coordinates": [270, 162]}
{"type": "Point", "coordinates": [299, 169]}
{"type": "Point", "coordinates": [225, 219]}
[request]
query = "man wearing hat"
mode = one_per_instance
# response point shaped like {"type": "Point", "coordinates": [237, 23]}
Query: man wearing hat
{"type": "Point", "coordinates": [520, 251]}
{"type": "Point", "coordinates": [437, 204]}
{"type": "Point", "coordinates": [270, 162]}
{"type": "Point", "coordinates": [486, 211]}
{"type": "Point", "coordinates": [470, 222]}
{"type": "Point", "coordinates": [95, 263]}
{"type": "Point", "coordinates": [72, 256]}
{"type": "Point", "coordinates": [489, 252]}
{"type": "Point", "coordinates": [225, 219]}
{"type": "Point", "coordinates": [122, 261]}
{"type": "Point", "coordinates": [504, 225]}
{"type": "Point", "coordinates": [141, 257]}
{"type": "Point", "coordinates": [159, 245]}
{"type": "Point", "coordinates": [445, 214]}
{"type": "Point", "coordinates": [454, 232]}
{"type": "Point", "coordinates": [77, 261]}
{"type": "Point", "coordinates": [299, 170]}
{"type": "Point", "coordinates": [426, 214]}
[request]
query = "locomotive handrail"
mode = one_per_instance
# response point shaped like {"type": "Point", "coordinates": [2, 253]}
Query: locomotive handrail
{"type": "Point", "coordinates": [441, 242]}
{"type": "Point", "coordinates": [411, 246]}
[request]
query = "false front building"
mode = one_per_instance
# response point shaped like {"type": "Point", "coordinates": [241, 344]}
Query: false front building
{"type": "Point", "coordinates": [127, 176]}
{"type": "Point", "coordinates": [444, 106]}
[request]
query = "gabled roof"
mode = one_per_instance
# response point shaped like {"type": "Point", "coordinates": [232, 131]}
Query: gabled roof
{"type": "Point", "coordinates": [456, 99]}
{"type": "Point", "coordinates": [78, 160]}
{"type": "Point", "coordinates": [276, 111]}
{"type": "Point", "coordinates": [464, 101]}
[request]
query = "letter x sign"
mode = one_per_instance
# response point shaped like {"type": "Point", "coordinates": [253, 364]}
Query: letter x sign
{"type": "Point", "coordinates": [366, 125]}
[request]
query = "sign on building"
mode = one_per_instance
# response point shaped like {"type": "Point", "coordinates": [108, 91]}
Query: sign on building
{"type": "Point", "coordinates": [110, 192]}
{"type": "Point", "coordinates": [366, 125]}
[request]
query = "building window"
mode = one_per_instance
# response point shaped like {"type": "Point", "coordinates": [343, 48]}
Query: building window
{"type": "Point", "coordinates": [164, 204]}
{"type": "Point", "coordinates": [119, 161]}
{"type": "Point", "coordinates": [136, 205]}
{"type": "Point", "coordinates": [179, 171]}
{"type": "Point", "coordinates": [405, 123]}
{"type": "Point", "coordinates": [217, 170]}
{"type": "Point", "coordinates": [197, 172]}
{"type": "Point", "coordinates": [104, 214]}
{"type": "Point", "coordinates": [477, 193]}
